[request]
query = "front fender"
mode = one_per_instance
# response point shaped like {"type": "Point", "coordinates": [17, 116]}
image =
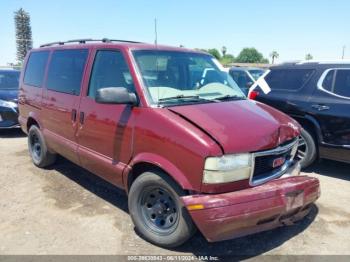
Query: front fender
{"type": "Point", "coordinates": [159, 161]}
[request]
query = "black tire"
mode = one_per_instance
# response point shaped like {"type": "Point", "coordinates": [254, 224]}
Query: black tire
{"type": "Point", "coordinates": [38, 151]}
{"type": "Point", "coordinates": [307, 151]}
{"type": "Point", "coordinates": [168, 229]}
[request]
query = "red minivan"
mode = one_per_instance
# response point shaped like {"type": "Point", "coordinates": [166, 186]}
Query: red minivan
{"type": "Point", "coordinates": [172, 129]}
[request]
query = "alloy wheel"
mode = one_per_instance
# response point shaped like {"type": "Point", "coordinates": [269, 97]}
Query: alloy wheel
{"type": "Point", "coordinates": [302, 149]}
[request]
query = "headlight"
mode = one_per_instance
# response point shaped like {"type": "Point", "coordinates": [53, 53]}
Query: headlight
{"type": "Point", "coordinates": [7, 104]}
{"type": "Point", "coordinates": [228, 168]}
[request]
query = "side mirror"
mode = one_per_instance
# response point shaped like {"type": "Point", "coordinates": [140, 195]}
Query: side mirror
{"type": "Point", "coordinates": [115, 95]}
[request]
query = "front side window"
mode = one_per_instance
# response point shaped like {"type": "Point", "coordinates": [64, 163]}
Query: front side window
{"type": "Point", "coordinates": [109, 70]}
{"type": "Point", "coordinates": [174, 77]}
{"type": "Point", "coordinates": [35, 69]}
{"type": "Point", "coordinates": [342, 83]}
{"type": "Point", "coordinates": [288, 79]}
{"type": "Point", "coordinates": [9, 80]}
{"type": "Point", "coordinates": [66, 71]}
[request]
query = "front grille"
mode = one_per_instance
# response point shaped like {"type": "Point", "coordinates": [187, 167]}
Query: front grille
{"type": "Point", "coordinates": [264, 164]}
{"type": "Point", "coordinates": [264, 161]}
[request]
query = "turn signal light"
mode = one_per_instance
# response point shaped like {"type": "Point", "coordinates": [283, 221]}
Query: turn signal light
{"type": "Point", "coordinates": [195, 207]}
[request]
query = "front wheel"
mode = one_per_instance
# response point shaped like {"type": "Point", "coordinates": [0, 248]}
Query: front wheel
{"type": "Point", "coordinates": [157, 212]}
{"type": "Point", "coordinates": [307, 151]}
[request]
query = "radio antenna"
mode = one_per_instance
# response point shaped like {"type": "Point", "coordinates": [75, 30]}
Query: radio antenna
{"type": "Point", "coordinates": [156, 44]}
{"type": "Point", "coordinates": [155, 32]}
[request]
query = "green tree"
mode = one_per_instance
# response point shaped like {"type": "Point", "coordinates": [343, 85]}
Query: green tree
{"type": "Point", "coordinates": [274, 55]}
{"type": "Point", "coordinates": [24, 40]}
{"type": "Point", "coordinates": [309, 57]}
{"type": "Point", "coordinates": [214, 52]}
{"type": "Point", "coordinates": [264, 61]}
{"type": "Point", "coordinates": [227, 59]}
{"type": "Point", "coordinates": [250, 55]}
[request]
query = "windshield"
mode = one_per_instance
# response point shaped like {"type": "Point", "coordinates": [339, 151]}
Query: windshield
{"type": "Point", "coordinates": [9, 80]}
{"type": "Point", "coordinates": [256, 73]}
{"type": "Point", "coordinates": [173, 77]}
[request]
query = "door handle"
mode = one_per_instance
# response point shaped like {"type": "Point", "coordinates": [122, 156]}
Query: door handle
{"type": "Point", "coordinates": [320, 107]}
{"type": "Point", "coordinates": [74, 115]}
{"type": "Point", "coordinates": [81, 118]}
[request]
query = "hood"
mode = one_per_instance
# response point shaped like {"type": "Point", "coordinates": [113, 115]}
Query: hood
{"type": "Point", "coordinates": [241, 126]}
{"type": "Point", "coordinates": [9, 94]}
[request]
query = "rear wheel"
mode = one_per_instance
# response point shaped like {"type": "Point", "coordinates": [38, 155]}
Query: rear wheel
{"type": "Point", "coordinates": [307, 151]}
{"type": "Point", "coordinates": [157, 212]}
{"type": "Point", "coordinates": [38, 151]}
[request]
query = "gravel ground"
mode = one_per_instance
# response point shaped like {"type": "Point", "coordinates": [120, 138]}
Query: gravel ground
{"type": "Point", "coordinates": [66, 210]}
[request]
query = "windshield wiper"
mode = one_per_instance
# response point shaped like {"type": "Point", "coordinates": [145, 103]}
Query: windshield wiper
{"type": "Point", "coordinates": [230, 97]}
{"type": "Point", "coordinates": [180, 97]}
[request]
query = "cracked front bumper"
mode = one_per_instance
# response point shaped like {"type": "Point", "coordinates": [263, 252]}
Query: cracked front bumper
{"type": "Point", "coordinates": [276, 203]}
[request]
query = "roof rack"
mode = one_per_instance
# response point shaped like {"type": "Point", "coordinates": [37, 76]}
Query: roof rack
{"type": "Point", "coordinates": [293, 62]}
{"type": "Point", "coordinates": [83, 41]}
{"type": "Point", "coordinates": [340, 61]}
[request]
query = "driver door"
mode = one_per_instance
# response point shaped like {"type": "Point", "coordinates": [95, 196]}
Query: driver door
{"type": "Point", "coordinates": [105, 130]}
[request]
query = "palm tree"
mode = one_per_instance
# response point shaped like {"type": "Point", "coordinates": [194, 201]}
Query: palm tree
{"type": "Point", "coordinates": [274, 55]}
{"type": "Point", "coordinates": [223, 50]}
{"type": "Point", "coordinates": [309, 57]}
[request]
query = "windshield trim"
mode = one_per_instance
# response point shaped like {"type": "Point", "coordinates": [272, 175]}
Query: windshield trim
{"type": "Point", "coordinates": [145, 92]}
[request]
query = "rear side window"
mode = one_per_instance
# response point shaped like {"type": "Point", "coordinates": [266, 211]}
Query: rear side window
{"type": "Point", "coordinates": [35, 68]}
{"type": "Point", "coordinates": [328, 81]}
{"type": "Point", "coordinates": [342, 83]}
{"type": "Point", "coordinates": [66, 71]}
{"type": "Point", "coordinates": [284, 79]}
{"type": "Point", "coordinates": [109, 70]}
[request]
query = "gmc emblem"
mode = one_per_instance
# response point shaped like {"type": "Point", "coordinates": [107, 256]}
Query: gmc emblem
{"type": "Point", "coordinates": [278, 162]}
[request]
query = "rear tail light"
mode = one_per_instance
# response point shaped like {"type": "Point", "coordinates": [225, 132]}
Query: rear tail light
{"type": "Point", "coordinates": [253, 95]}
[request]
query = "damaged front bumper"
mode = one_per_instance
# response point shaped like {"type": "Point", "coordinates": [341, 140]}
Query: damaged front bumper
{"type": "Point", "coordinates": [276, 203]}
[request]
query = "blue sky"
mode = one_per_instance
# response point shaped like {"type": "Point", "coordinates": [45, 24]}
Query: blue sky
{"type": "Point", "coordinates": [291, 27]}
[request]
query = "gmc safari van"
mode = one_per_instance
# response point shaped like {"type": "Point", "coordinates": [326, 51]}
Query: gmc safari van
{"type": "Point", "coordinates": [173, 130]}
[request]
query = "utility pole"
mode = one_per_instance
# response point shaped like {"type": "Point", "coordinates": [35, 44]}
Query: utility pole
{"type": "Point", "coordinates": [343, 56]}
{"type": "Point", "coordinates": [155, 32]}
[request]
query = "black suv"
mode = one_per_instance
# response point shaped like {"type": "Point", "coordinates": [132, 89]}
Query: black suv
{"type": "Point", "coordinates": [317, 95]}
{"type": "Point", "coordinates": [9, 82]}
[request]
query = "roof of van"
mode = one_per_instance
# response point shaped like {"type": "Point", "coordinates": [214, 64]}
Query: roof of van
{"type": "Point", "coordinates": [79, 43]}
